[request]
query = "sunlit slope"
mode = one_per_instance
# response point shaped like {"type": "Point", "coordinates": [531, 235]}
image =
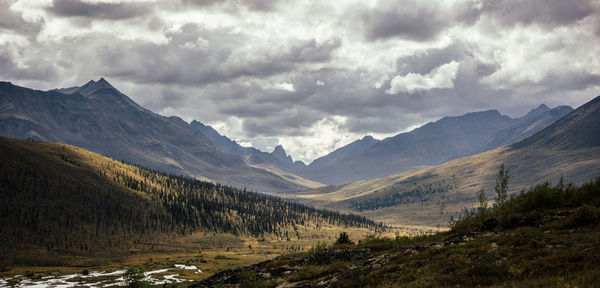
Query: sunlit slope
{"type": "Point", "coordinates": [569, 148]}
{"type": "Point", "coordinates": [64, 197]}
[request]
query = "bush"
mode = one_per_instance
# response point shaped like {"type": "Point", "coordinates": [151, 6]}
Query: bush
{"type": "Point", "coordinates": [344, 239]}
{"type": "Point", "coordinates": [584, 215]}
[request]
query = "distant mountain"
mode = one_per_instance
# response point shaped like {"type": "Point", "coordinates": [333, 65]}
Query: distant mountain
{"type": "Point", "coordinates": [350, 150]}
{"type": "Point", "coordinates": [580, 129]}
{"type": "Point", "coordinates": [432, 144]}
{"type": "Point", "coordinates": [569, 148]}
{"type": "Point", "coordinates": [527, 125]}
{"type": "Point", "coordinates": [277, 158]}
{"type": "Point", "coordinates": [98, 117]}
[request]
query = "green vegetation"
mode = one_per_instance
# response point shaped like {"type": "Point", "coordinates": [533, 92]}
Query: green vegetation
{"type": "Point", "coordinates": [74, 203]}
{"type": "Point", "coordinates": [501, 187]}
{"type": "Point", "coordinates": [344, 239]}
{"type": "Point", "coordinates": [548, 236]}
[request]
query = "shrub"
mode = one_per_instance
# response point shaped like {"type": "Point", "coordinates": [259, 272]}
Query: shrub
{"type": "Point", "coordinates": [584, 215]}
{"type": "Point", "coordinates": [344, 239]}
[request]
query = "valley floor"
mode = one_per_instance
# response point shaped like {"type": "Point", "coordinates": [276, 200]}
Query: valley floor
{"type": "Point", "coordinates": [207, 253]}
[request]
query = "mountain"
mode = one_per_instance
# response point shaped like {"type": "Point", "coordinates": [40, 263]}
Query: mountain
{"type": "Point", "coordinates": [431, 144]}
{"type": "Point", "coordinates": [580, 129]}
{"type": "Point", "coordinates": [254, 157]}
{"type": "Point", "coordinates": [345, 152]}
{"type": "Point", "coordinates": [59, 196]}
{"type": "Point", "coordinates": [98, 117]}
{"type": "Point", "coordinates": [527, 125]}
{"type": "Point", "coordinates": [569, 148]}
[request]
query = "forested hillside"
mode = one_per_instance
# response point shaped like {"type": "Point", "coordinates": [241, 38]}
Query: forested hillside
{"type": "Point", "coordinates": [61, 196]}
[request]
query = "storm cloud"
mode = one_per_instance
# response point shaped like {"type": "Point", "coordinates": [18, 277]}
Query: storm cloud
{"type": "Point", "coordinates": [101, 10]}
{"type": "Point", "coordinates": [311, 75]}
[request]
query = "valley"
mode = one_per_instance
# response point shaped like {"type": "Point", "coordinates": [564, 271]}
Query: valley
{"type": "Point", "coordinates": [67, 209]}
{"type": "Point", "coordinates": [437, 195]}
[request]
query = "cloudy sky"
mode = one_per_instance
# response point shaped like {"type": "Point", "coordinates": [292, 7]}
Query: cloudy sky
{"type": "Point", "coordinates": [311, 75]}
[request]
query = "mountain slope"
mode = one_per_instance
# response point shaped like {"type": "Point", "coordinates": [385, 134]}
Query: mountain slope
{"type": "Point", "coordinates": [98, 117]}
{"type": "Point", "coordinates": [344, 152]}
{"type": "Point", "coordinates": [432, 196]}
{"type": "Point", "coordinates": [527, 125]}
{"type": "Point", "coordinates": [61, 196]}
{"type": "Point", "coordinates": [433, 144]}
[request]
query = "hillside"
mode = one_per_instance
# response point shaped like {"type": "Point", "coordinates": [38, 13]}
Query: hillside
{"type": "Point", "coordinates": [61, 197]}
{"type": "Point", "coordinates": [545, 237]}
{"type": "Point", "coordinates": [98, 117]}
{"type": "Point", "coordinates": [431, 144]}
{"type": "Point", "coordinates": [569, 148]}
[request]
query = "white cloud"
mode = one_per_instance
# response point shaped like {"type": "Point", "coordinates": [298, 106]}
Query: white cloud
{"type": "Point", "coordinates": [285, 86]}
{"type": "Point", "coordinates": [441, 77]}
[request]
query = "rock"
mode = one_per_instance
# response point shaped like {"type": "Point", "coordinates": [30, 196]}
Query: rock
{"type": "Point", "coordinates": [458, 239]}
{"type": "Point", "coordinates": [282, 270]}
{"type": "Point", "coordinates": [419, 248]}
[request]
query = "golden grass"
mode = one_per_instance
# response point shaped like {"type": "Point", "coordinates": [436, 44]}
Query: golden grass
{"type": "Point", "coordinates": [466, 176]}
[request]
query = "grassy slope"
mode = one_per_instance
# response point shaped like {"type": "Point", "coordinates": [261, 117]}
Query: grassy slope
{"type": "Point", "coordinates": [292, 178]}
{"type": "Point", "coordinates": [90, 191]}
{"type": "Point", "coordinates": [462, 179]}
{"type": "Point", "coordinates": [547, 237]}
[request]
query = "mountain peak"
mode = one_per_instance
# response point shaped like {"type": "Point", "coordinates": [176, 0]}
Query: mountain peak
{"type": "Point", "coordinates": [93, 86]}
{"type": "Point", "coordinates": [280, 154]}
{"type": "Point", "coordinates": [542, 107]}
{"type": "Point", "coordinates": [367, 137]}
{"type": "Point", "coordinates": [279, 150]}
{"type": "Point", "coordinates": [537, 111]}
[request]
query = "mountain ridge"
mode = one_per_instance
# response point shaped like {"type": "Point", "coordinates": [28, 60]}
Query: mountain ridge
{"type": "Point", "coordinates": [105, 120]}
{"type": "Point", "coordinates": [568, 149]}
{"type": "Point", "coordinates": [431, 144]}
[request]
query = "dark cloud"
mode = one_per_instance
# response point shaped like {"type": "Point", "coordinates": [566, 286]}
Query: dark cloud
{"type": "Point", "coordinates": [196, 56]}
{"type": "Point", "coordinates": [416, 22]}
{"type": "Point", "coordinates": [100, 10]}
{"type": "Point", "coordinates": [547, 13]}
{"type": "Point", "coordinates": [13, 20]}
{"type": "Point", "coordinates": [292, 122]}
{"type": "Point", "coordinates": [33, 68]}
{"type": "Point", "coordinates": [259, 5]}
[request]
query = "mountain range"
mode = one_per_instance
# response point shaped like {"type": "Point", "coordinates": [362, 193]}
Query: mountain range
{"type": "Point", "coordinates": [98, 117]}
{"type": "Point", "coordinates": [432, 144]}
{"type": "Point", "coordinates": [568, 149]}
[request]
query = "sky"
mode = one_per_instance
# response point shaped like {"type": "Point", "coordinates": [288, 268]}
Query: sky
{"type": "Point", "coordinates": [310, 75]}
